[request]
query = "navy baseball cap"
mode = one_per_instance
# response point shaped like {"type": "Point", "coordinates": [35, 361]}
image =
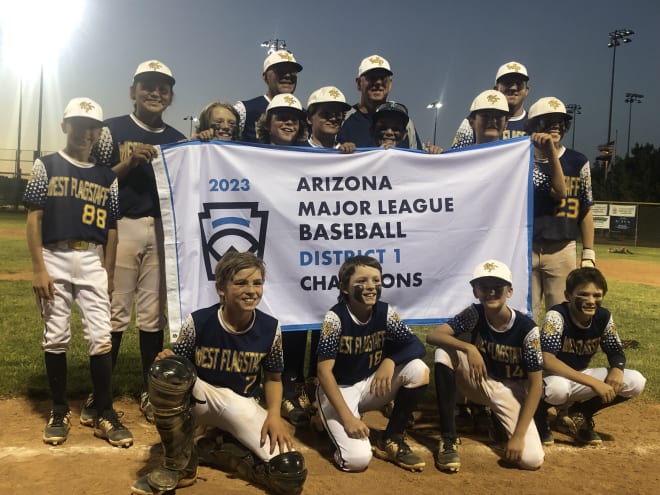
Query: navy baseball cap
{"type": "Point", "coordinates": [392, 109]}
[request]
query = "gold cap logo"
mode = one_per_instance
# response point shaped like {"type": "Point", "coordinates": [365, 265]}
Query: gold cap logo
{"type": "Point", "coordinates": [86, 106]}
{"type": "Point", "coordinates": [490, 266]}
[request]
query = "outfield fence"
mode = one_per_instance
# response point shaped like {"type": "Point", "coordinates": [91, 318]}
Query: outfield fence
{"type": "Point", "coordinates": [627, 224]}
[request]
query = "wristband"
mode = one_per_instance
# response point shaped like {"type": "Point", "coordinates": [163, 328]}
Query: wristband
{"type": "Point", "coordinates": [588, 258]}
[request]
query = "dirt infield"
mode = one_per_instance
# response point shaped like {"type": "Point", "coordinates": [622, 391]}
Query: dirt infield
{"type": "Point", "coordinates": [627, 463]}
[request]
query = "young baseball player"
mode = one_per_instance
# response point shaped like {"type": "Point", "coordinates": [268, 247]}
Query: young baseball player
{"type": "Point", "coordinates": [128, 144]}
{"type": "Point", "coordinates": [72, 212]}
{"type": "Point", "coordinates": [571, 334]}
{"type": "Point", "coordinates": [512, 81]}
{"type": "Point", "coordinates": [281, 76]}
{"type": "Point", "coordinates": [212, 376]}
{"type": "Point", "coordinates": [283, 122]}
{"type": "Point", "coordinates": [491, 354]}
{"type": "Point", "coordinates": [559, 216]}
{"type": "Point", "coordinates": [390, 127]}
{"type": "Point", "coordinates": [217, 120]}
{"type": "Point", "coordinates": [367, 357]}
{"type": "Point", "coordinates": [326, 108]}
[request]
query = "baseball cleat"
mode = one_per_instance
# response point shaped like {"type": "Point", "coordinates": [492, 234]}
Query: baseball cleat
{"type": "Point", "coordinates": [146, 407]}
{"type": "Point", "coordinates": [447, 458]}
{"type": "Point", "coordinates": [58, 427]}
{"type": "Point", "coordinates": [293, 412]}
{"type": "Point", "coordinates": [583, 431]}
{"type": "Point", "coordinates": [396, 450]}
{"type": "Point", "coordinates": [88, 412]}
{"type": "Point", "coordinates": [546, 438]}
{"type": "Point", "coordinates": [108, 427]}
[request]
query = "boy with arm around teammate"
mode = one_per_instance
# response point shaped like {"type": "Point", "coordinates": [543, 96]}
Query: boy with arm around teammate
{"type": "Point", "coordinates": [499, 366]}
{"type": "Point", "coordinates": [367, 357]}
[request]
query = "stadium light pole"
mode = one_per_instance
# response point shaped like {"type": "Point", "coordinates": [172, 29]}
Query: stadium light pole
{"type": "Point", "coordinates": [437, 105]}
{"type": "Point", "coordinates": [192, 119]}
{"type": "Point", "coordinates": [17, 170]}
{"type": "Point", "coordinates": [37, 153]}
{"type": "Point", "coordinates": [616, 38]}
{"type": "Point", "coordinates": [273, 45]}
{"type": "Point", "coordinates": [630, 99]}
{"type": "Point", "coordinates": [574, 110]}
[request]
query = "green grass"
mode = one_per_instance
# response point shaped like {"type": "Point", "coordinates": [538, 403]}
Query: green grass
{"type": "Point", "coordinates": [649, 255]}
{"type": "Point", "coordinates": [634, 307]}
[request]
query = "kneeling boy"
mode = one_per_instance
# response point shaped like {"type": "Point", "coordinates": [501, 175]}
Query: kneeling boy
{"type": "Point", "coordinates": [571, 334]}
{"type": "Point", "coordinates": [368, 357]}
{"type": "Point", "coordinates": [499, 366]}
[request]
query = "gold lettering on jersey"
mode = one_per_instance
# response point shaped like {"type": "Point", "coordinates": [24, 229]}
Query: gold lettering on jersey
{"type": "Point", "coordinates": [84, 190]}
{"type": "Point", "coordinates": [58, 186]}
{"type": "Point", "coordinates": [509, 134]}
{"type": "Point", "coordinates": [126, 149]}
{"type": "Point", "coordinates": [229, 360]}
{"type": "Point", "coordinates": [500, 352]}
{"type": "Point", "coordinates": [361, 344]}
{"type": "Point", "coordinates": [572, 186]}
{"type": "Point", "coordinates": [580, 347]}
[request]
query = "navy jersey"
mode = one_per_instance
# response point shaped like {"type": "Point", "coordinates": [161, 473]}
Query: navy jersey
{"type": "Point", "coordinates": [249, 111]}
{"type": "Point", "coordinates": [575, 345]}
{"type": "Point", "coordinates": [508, 354]}
{"type": "Point", "coordinates": [79, 200]}
{"type": "Point", "coordinates": [138, 196]}
{"type": "Point", "coordinates": [560, 220]}
{"type": "Point", "coordinates": [515, 127]}
{"type": "Point", "coordinates": [356, 128]}
{"type": "Point", "coordinates": [227, 359]}
{"type": "Point", "coordinates": [359, 348]}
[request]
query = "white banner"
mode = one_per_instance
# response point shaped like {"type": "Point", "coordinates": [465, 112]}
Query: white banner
{"type": "Point", "coordinates": [429, 219]}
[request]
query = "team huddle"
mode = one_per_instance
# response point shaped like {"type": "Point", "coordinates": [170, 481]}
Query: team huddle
{"type": "Point", "coordinates": [222, 395]}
